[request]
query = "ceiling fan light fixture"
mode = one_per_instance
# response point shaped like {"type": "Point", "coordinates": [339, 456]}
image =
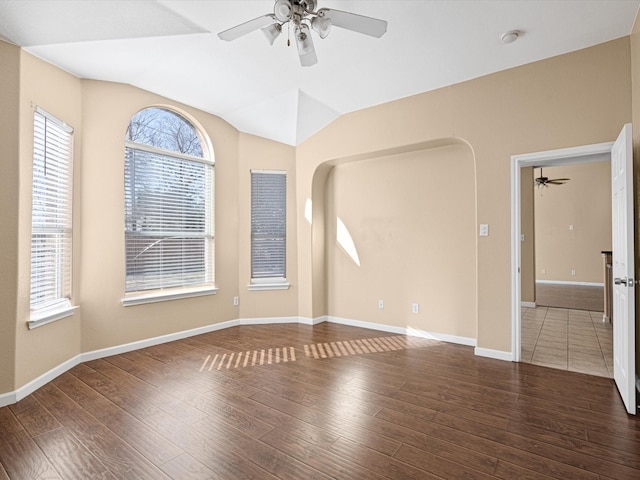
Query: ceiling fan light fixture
{"type": "Point", "coordinates": [322, 25]}
{"type": "Point", "coordinates": [282, 10]}
{"type": "Point", "coordinates": [271, 32]}
{"type": "Point", "coordinates": [303, 39]}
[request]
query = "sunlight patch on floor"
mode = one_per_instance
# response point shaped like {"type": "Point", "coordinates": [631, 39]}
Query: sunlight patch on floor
{"type": "Point", "coordinates": [316, 351]}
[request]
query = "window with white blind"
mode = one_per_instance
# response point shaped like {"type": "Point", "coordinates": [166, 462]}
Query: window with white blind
{"type": "Point", "coordinates": [51, 218]}
{"type": "Point", "coordinates": [268, 227]}
{"type": "Point", "coordinates": [168, 204]}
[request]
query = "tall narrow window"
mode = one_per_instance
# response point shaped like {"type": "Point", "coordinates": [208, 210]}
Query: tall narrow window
{"type": "Point", "coordinates": [268, 226]}
{"type": "Point", "coordinates": [168, 203]}
{"type": "Point", "coordinates": [51, 217]}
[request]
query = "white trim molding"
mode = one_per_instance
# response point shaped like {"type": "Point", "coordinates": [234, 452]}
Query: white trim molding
{"type": "Point", "coordinates": [150, 342]}
{"type": "Point", "coordinates": [495, 354]}
{"type": "Point", "coordinates": [269, 321]}
{"type": "Point", "coordinates": [565, 282]}
{"type": "Point", "coordinates": [528, 304]}
{"type": "Point", "coordinates": [166, 295]}
{"type": "Point", "coordinates": [258, 287]}
{"type": "Point", "coordinates": [412, 332]}
{"type": "Point", "coordinates": [49, 315]}
{"type": "Point", "coordinates": [30, 387]}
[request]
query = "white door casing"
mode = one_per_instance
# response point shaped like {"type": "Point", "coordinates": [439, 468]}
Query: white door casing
{"type": "Point", "coordinates": [624, 361]}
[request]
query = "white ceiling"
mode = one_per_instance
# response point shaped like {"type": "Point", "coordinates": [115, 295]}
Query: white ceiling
{"type": "Point", "coordinates": [170, 47]}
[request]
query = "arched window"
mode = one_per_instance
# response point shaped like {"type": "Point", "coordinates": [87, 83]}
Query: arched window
{"type": "Point", "coordinates": [168, 200]}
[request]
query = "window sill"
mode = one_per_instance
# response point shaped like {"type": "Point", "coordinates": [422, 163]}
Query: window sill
{"type": "Point", "coordinates": [51, 314]}
{"type": "Point", "coordinates": [268, 284]}
{"type": "Point", "coordinates": [166, 295]}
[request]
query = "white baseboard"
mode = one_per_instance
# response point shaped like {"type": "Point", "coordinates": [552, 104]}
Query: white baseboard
{"type": "Point", "coordinates": [564, 282]}
{"type": "Point", "coordinates": [413, 332]}
{"type": "Point", "coordinates": [528, 304]}
{"type": "Point", "coordinates": [27, 389]}
{"type": "Point", "coordinates": [150, 342]}
{"type": "Point", "coordinates": [268, 321]}
{"type": "Point", "coordinates": [496, 354]}
{"type": "Point", "coordinates": [442, 337]}
{"type": "Point", "coordinates": [35, 384]}
{"type": "Point", "coordinates": [373, 326]}
{"type": "Point", "coordinates": [312, 321]}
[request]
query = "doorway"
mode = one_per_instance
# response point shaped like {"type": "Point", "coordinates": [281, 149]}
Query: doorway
{"type": "Point", "coordinates": [562, 267]}
{"type": "Point", "coordinates": [568, 156]}
{"type": "Point", "coordinates": [619, 153]}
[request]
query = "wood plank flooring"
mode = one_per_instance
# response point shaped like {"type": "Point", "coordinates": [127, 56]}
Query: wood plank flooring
{"type": "Point", "coordinates": [576, 297]}
{"type": "Point", "coordinates": [394, 408]}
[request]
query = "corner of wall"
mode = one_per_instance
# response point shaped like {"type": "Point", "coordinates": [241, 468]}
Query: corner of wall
{"type": "Point", "coordinates": [9, 179]}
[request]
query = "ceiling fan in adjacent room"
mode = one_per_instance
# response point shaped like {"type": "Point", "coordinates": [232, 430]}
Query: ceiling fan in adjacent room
{"type": "Point", "coordinates": [302, 17]}
{"type": "Point", "coordinates": [544, 182]}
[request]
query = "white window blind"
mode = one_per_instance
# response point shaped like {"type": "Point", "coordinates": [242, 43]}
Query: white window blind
{"type": "Point", "coordinates": [51, 212]}
{"type": "Point", "coordinates": [268, 224]}
{"type": "Point", "coordinates": [168, 219]}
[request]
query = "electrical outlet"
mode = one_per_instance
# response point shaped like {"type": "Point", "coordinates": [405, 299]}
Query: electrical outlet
{"type": "Point", "coordinates": [573, 272]}
{"type": "Point", "coordinates": [236, 301]}
{"type": "Point", "coordinates": [415, 308]}
{"type": "Point", "coordinates": [380, 304]}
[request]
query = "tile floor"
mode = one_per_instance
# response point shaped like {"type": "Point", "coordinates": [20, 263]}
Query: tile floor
{"type": "Point", "coordinates": [575, 340]}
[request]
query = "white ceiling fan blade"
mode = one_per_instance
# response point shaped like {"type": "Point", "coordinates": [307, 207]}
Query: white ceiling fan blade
{"type": "Point", "coordinates": [247, 27]}
{"type": "Point", "coordinates": [357, 23]}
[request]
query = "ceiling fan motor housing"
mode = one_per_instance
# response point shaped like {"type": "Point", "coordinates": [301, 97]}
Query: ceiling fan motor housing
{"type": "Point", "coordinates": [286, 10]}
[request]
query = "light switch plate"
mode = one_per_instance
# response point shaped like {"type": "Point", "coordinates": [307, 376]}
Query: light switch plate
{"type": "Point", "coordinates": [484, 229]}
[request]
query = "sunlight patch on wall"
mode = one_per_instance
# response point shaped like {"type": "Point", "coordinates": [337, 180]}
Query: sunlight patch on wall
{"type": "Point", "coordinates": [346, 241]}
{"type": "Point", "coordinates": [308, 211]}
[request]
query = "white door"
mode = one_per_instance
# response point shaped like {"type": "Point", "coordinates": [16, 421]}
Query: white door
{"type": "Point", "coordinates": [624, 361]}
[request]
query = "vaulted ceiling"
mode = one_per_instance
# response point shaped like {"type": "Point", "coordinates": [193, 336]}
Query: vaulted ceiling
{"type": "Point", "coordinates": [170, 47]}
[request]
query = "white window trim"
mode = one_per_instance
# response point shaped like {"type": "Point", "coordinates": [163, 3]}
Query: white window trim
{"type": "Point", "coordinates": [171, 153]}
{"type": "Point", "coordinates": [268, 283]}
{"type": "Point", "coordinates": [166, 295]}
{"type": "Point", "coordinates": [51, 314]}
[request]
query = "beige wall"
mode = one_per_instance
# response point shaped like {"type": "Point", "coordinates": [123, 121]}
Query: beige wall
{"type": "Point", "coordinates": [107, 109]}
{"type": "Point", "coordinates": [411, 217]}
{"type": "Point", "coordinates": [259, 154]}
{"type": "Point", "coordinates": [560, 102]}
{"type": "Point", "coordinates": [527, 228]}
{"type": "Point", "coordinates": [59, 93]}
{"type": "Point", "coordinates": [584, 203]}
{"type": "Point", "coordinates": [9, 178]}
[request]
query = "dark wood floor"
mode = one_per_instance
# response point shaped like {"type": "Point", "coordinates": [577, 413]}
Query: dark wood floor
{"type": "Point", "coordinates": [575, 297]}
{"type": "Point", "coordinates": [378, 406]}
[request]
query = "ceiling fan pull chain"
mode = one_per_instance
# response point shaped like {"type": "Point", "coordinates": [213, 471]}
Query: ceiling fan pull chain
{"type": "Point", "coordinates": [288, 34]}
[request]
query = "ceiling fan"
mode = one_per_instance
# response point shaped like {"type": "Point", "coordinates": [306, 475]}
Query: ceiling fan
{"type": "Point", "coordinates": [301, 16]}
{"type": "Point", "coordinates": [543, 182]}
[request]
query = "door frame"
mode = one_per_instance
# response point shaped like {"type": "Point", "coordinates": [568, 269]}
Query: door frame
{"type": "Point", "coordinates": [565, 156]}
